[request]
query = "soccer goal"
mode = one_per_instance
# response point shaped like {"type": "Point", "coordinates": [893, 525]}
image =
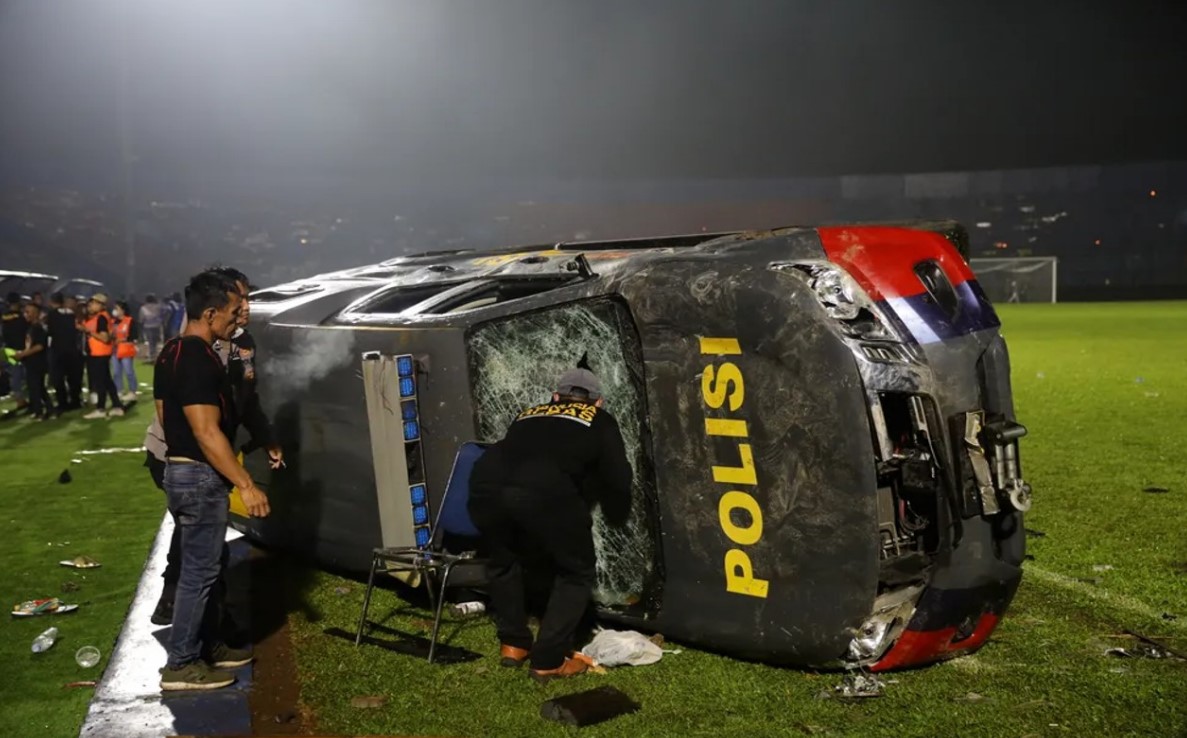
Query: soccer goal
{"type": "Point", "coordinates": [1018, 279]}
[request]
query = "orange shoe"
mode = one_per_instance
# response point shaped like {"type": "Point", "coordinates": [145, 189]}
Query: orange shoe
{"type": "Point", "coordinates": [570, 668]}
{"type": "Point", "coordinates": [512, 657]}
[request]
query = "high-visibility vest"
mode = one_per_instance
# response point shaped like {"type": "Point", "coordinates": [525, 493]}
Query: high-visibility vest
{"type": "Point", "coordinates": [124, 348]}
{"type": "Point", "coordinates": [95, 347]}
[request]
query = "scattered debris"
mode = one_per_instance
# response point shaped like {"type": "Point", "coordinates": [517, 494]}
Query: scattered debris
{"type": "Point", "coordinates": [81, 562]}
{"type": "Point", "coordinates": [1151, 643]}
{"type": "Point", "coordinates": [87, 656]}
{"type": "Point", "coordinates": [971, 697]}
{"type": "Point", "coordinates": [64, 477]}
{"type": "Point", "coordinates": [1088, 580]}
{"type": "Point", "coordinates": [69, 586]}
{"type": "Point", "coordinates": [71, 685]}
{"type": "Point", "coordinates": [1142, 651]}
{"type": "Point", "coordinates": [1138, 380]}
{"type": "Point", "coordinates": [657, 639]}
{"type": "Point", "coordinates": [1156, 490]}
{"type": "Point", "coordinates": [368, 702]}
{"type": "Point", "coordinates": [1102, 567]}
{"type": "Point", "coordinates": [619, 647]}
{"type": "Point", "coordinates": [76, 461]}
{"type": "Point", "coordinates": [340, 591]}
{"type": "Point", "coordinates": [50, 606]}
{"type": "Point", "coordinates": [856, 687]}
{"type": "Point", "coordinates": [1032, 533]}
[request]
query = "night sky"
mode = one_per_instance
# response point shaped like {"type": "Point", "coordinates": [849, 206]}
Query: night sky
{"type": "Point", "coordinates": [397, 91]}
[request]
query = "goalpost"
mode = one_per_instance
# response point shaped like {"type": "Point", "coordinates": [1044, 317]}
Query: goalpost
{"type": "Point", "coordinates": [1018, 279]}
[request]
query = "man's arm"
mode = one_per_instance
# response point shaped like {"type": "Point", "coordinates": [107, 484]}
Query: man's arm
{"type": "Point", "coordinates": [30, 348]}
{"type": "Point", "coordinates": [615, 471]}
{"type": "Point", "coordinates": [203, 420]}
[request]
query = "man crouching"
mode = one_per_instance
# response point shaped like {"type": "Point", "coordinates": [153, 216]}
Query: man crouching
{"type": "Point", "coordinates": [195, 404]}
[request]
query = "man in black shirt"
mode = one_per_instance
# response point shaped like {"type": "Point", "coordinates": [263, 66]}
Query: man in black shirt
{"type": "Point", "coordinates": [65, 354]}
{"type": "Point", "coordinates": [532, 493]}
{"type": "Point", "coordinates": [33, 358]}
{"type": "Point", "coordinates": [194, 401]}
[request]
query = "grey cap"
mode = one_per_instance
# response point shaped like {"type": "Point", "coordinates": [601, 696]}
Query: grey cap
{"type": "Point", "coordinates": [579, 379]}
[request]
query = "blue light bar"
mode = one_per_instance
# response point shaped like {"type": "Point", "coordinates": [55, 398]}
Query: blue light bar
{"type": "Point", "coordinates": [404, 366]}
{"type": "Point", "coordinates": [420, 515]}
{"type": "Point", "coordinates": [407, 387]}
{"type": "Point", "coordinates": [408, 409]}
{"type": "Point", "coordinates": [411, 430]}
{"type": "Point", "coordinates": [418, 494]}
{"type": "Point", "coordinates": [422, 536]}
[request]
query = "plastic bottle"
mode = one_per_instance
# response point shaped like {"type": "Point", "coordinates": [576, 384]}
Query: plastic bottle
{"type": "Point", "coordinates": [469, 609]}
{"type": "Point", "coordinates": [45, 640]}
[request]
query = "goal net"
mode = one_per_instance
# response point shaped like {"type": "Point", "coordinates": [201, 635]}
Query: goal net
{"type": "Point", "coordinates": [1018, 279]}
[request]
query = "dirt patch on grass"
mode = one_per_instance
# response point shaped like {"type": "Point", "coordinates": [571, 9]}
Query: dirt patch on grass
{"type": "Point", "coordinates": [275, 698]}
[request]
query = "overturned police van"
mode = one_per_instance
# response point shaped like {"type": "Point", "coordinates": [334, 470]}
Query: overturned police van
{"type": "Point", "coordinates": [820, 423]}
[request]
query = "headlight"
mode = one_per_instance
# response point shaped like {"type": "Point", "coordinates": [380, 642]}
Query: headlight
{"type": "Point", "coordinates": [836, 292]}
{"type": "Point", "coordinates": [841, 297]}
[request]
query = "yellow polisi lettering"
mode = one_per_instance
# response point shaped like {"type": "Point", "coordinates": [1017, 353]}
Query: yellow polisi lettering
{"type": "Point", "coordinates": [735, 500]}
{"type": "Point", "coordinates": [739, 575]}
{"type": "Point", "coordinates": [744, 474]}
{"type": "Point", "coordinates": [718, 384]}
{"type": "Point", "coordinates": [726, 427]}
{"type": "Point", "coordinates": [720, 346]}
{"type": "Point", "coordinates": [723, 387]}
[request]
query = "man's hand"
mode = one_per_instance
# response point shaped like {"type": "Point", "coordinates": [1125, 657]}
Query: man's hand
{"type": "Point", "coordinates": [255, 501]}
{"type": "Point", "coordinates": [275, 456]}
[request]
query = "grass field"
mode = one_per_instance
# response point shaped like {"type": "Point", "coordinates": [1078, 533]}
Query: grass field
{"type": "Point", "coordinates": [110, 512]}
{"type": "Point", "coordinates": [1103, 389]}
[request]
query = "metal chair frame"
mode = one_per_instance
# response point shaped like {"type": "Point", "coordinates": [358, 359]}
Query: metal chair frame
{"type": "Point", "coordinates": [429, 561]}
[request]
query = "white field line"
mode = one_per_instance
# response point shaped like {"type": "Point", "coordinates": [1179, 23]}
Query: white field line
{"type": "Point", "coordinates": [1125, 603]}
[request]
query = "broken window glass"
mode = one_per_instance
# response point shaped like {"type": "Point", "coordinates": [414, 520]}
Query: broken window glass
{"type": "Point", "coordinates": [515, 363]}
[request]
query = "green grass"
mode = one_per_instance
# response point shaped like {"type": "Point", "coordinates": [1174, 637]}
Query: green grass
{"type": "Point", "coordinates": [1099, 435]}
{"type": "Point", "coordinates": [110, 511]}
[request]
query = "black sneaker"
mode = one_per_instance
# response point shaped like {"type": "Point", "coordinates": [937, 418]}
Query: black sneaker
{"type": "Point", "coordinates": [222, 656]}
{"type": "Point", "coordinates": [163, 614]}
{"type": "Point", "coordinates": [194, 676]}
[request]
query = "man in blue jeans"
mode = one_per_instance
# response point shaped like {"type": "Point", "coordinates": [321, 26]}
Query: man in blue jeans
{"type": "Point", "coordinates": [195, 404]}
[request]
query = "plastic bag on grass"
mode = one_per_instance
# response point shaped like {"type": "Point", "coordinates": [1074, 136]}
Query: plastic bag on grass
{"type": "Point", "coordinates": [618, 647]}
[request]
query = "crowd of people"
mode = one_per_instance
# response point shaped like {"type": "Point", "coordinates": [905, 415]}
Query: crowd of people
{"type": "Point", "coordinates": [53, 349]}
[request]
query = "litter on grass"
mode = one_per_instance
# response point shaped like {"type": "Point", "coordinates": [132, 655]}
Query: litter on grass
{"type": "Point", "coordinates": [49, 606]}
{"type": "Point", "coordinates": [1102, 567]}
{"type": "Point", "coordinates": [619, 647]}
{"type": "Point", "coordinates": [81, 562]}
{"type": "Point", "coordinates": [1156, 490]}
{"type": "Point", "coordinates": [856, 687]}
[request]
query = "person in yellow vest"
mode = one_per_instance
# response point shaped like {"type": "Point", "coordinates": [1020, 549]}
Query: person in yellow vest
{"type": "Point", "coordinates": [99, 329]}
{"type": "Point", "coordinates": [123, 360]}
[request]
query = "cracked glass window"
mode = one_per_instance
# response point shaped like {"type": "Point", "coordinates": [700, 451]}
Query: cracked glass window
{"type": "Point", "coordinates": [515, 363]}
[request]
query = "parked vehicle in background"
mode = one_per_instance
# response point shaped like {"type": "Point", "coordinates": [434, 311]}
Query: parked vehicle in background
{"type": "Point", "coordinates": [26, 283]}
{"type": "Point", "coordinates": [80, 288]}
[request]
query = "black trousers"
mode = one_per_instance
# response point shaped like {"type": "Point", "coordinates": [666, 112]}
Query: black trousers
{"type": "Point", "coordinates": [65, 374]}
{"type": "Point", "coordinates": [99, 371]}
{"type": "Point", "coordinates": [550, 528]}
{"type": "Point", "coordinates": [39, 402]}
